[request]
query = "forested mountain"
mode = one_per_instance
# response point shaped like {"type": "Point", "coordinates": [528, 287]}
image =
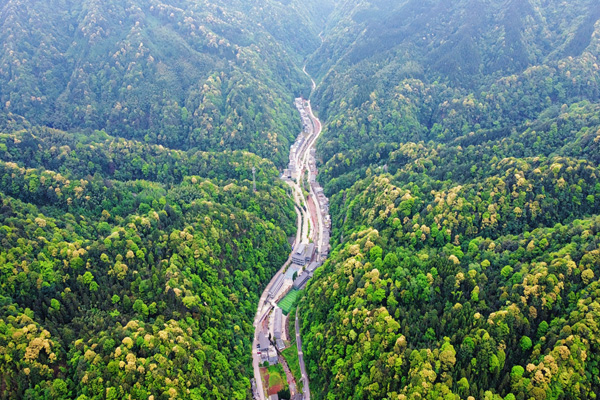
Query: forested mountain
{"type": "Point", "coordinates": [186, 74]}
{"type": "Point", "coordinates": [461, 154]}
{"type": "Point", "coordinates": [133, 247]}
{"type": "Point", "coordinates": [129, 269]}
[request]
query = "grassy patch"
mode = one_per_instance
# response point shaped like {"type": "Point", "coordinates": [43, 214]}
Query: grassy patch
{"type": "Point", "coordinates": [275, 380]}
{"type": "Point", "coordinates": [276, 376]}
{"type": "Point", "coordinates": [288, 301]}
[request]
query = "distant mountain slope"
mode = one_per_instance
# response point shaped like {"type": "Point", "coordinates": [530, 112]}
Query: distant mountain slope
{"type": "Point", "coordinates": [421, 83]}
{"type": "Point", "coordinates": [460, 40]}
{"type": "Point", "coordinates": [183, 74]}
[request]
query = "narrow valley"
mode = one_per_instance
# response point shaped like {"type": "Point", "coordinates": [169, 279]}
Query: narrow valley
{"type": "Point", "coordinates": [310, 249]}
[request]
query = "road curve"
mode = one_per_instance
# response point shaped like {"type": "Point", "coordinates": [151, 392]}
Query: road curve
{"type": "Point", "coordinates": [305, 231]}
{"type": "Point", "coordinates": [262, 313]}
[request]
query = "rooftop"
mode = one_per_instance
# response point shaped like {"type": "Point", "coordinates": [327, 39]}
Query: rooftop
{"type": "Point", "coordinates": [276, 285]}
{"type": "Point", "coordinates": [280, 344]}
{"type": "Point", "coordinates": [300, 248]}
{"type": "Point", "coordinates": [301, 280]}
{"type": "Point", "coordinates": [277, 321]}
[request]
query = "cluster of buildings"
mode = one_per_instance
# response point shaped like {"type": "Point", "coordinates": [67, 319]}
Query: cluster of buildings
{"type": "Point", "coordinates": [270, 341]}
{"type": "Point", "coordinates": [267, 352]}
{"type": "Point", "coordinates": [306, 274]}
{"type": "Point", "coordinates": [306, 121]}
{"type": "Point", "coordinates": [319, 197]}
{"type": "Point", "coordinates": [303, 255]}
{"type": "Point", "coordinates": [269, 347]}
{"type": "Point", "coordinates": [323, 204]}
{"type": "Point", "coordinates": [306, 257]}
{"type": "Point", "coordinates": [292, 171]}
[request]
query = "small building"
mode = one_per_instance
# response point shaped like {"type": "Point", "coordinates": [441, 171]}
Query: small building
{"type": "Point", "coordinates": [280, 344]}
{"type": "Point", "coordinates": [273, 357]}
{"type": "Point", "coordinates": [312, 267]}
{"type": "Point", "coordinates": [298, 255]}
{"type": "Point", "coordinates": [277, 323]}
{"type": "Point", "coordinates": [276, 286]}
{"type": "Point", "coordinates": [263, 347]}
{"type": "Point", "coordinates": [325, 241]}
{"type": "Point", "coordinates": [309, 252]}
{"type": "Point", "coordinates": [274, 397]}
{"type": "Point", "coordinates": [301, 280]}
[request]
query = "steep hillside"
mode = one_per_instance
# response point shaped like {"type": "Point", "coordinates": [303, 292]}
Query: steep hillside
{"type": "Point", "coordinates": [133, 247]}
{"type": "Point", "coordinates": [201, 75]}
{"type": "Point", "coordinates": [132, 270]}
{"type": "Point", "coordinates": [461, 156]}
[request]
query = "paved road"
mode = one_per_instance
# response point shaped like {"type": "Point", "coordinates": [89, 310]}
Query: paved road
{"type": "Point", "coordinates": [314, 85]}
{"type": "Point", "coordinates": [320, 225]}
{"type": "Point", "coordinates": [301, 360]}
{"type": "Point", "coordinates": [305, 230]}
{"type": "Point", "coordinates": [316, 236]}
{"type": "Point", "coordinates": [263, 310]}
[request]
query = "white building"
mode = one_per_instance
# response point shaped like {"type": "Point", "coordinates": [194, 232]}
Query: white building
{"type": "Point", "coordinates": [298, 256]}
{"type": "Point", "coordinates": [277, 323]}
{"type": "Point", "coordinates": [301, 280]}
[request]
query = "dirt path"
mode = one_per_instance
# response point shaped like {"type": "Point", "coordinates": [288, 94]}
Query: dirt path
{"type": "Point", "coordinates": [290, 378]}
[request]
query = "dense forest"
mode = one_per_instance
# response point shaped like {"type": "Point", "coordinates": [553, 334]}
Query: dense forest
{"type": "Point", "coordinates": [185, 74]}
{"type": "Point", "coordinates": [461, 154]}
{"type": "Point", "coordinates": [129, 269]}
{"type": "Point", "coordinates": [133, 246]}
{"type": "Point", "coordinates": [462, 157]}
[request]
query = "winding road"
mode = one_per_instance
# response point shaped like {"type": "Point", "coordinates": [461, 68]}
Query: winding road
{"type": "Point", "coordinates": [301, 360]}
{"type": "Point", "coordinates": [305, 231]}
